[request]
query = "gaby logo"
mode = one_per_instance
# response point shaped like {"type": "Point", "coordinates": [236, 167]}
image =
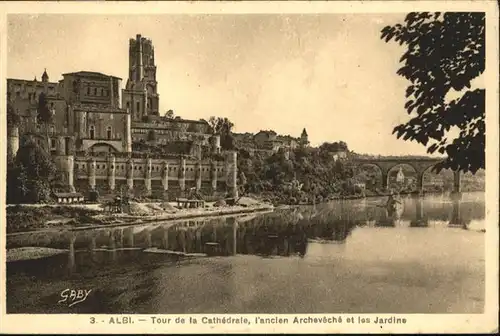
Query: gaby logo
{"type": "Point", "coordinates": [74, 296]}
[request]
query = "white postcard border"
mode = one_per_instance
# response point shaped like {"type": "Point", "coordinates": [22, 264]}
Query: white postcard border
{"type": "Point", "coordinates": [416, 323]}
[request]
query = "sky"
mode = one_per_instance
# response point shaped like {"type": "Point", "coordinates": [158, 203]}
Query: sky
{"type": "Point", "coordinates": [328, 73]}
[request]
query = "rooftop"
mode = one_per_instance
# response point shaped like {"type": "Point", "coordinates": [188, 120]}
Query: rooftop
{"type": "Point", "coordinates": [40, 83]}
{"type": "Point", "coordinates": [89, 74]}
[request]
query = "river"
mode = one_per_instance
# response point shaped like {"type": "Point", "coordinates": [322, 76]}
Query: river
{"type": "Point", "coordinates": [339, 257]}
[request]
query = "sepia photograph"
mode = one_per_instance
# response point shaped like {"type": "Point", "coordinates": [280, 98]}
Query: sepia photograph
{"type": "Point", "coordinates": [293, 166]}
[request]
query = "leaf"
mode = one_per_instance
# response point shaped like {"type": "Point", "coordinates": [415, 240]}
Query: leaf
{"type": "Point", "coordinates": [444, 51]}
{"type": "Point", "coordinates": [432, 148]}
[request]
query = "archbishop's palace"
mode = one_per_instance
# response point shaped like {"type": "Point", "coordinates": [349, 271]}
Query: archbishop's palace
{"type": "Point", "coordinates": [98, 129]}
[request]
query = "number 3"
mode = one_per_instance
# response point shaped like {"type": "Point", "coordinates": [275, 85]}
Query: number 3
{"type": "Point", "coordinates": [92, 320]}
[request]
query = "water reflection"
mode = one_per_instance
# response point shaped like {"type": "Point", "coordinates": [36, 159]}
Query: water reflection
{"type": "Point", "coordinates": [282, 233]}
{"type": "Point", "coordinates": [420, 219]}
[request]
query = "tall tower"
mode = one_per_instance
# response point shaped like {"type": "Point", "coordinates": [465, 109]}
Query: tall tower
{"type": "Point", "coordinates": [304, 139]}
{"type": "Point", "coordinates": [140, 95]}
{"type": "Point", "coordinates": [45, 77]}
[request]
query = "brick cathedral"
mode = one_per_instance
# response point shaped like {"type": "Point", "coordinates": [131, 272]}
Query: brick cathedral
{"type": "Point", "coordinates": [105, 138]}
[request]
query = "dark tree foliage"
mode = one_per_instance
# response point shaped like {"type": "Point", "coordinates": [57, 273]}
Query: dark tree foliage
{"type": "Point", "coordinates": [16, 188]}
{"type": "Point", "coordinates": [223, 127]}
{"type": "Point", "coordinates": [169, 114]}
{"type": "Point", "coordinates": [44, 114]}
{"type": "Point", "coordinates": [30, 176]}
{"type": "Point", "coordinates": [333, 146]}
{"type": "Point", "coordinates": [13, 118]}
{"type": "Point", "coordinates": [321, 177]}
{"type": "Point", "coordinates": [445, 52]}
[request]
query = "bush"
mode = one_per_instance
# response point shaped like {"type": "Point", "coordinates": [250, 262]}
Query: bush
{"type": "Point", "coordinates": [30, 176]}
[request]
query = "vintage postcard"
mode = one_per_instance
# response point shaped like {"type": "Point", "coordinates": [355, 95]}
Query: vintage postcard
{"type": "Point", "coordinates": [249, 167]}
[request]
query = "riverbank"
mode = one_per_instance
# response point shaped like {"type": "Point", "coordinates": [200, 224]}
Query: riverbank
{"type": "Point", "coordinates": [31, 253]}
{"type": "Point", "coordinates": [282, 203]}
{"type": "Point", "coordinates": [37, 217]}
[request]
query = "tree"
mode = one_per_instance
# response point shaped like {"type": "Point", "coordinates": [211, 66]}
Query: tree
{"type": "Point", "coordinates": [44, 116]}
{"type": "Point", "coordinates": [13, 118]}
{"type": "Point", "coordinates": [220, 125]}
{"type": "Point", "coordinates": [332, 147]}
{"type": "Point", "coordinates": [16, 186]}
{"type": "Point", "coordinates": [169, 114]}
{"type": "Point", "coordinates": [445, 52]}
{"type": "Point", "coordinates": [223, 127]}
{"type": "Point", "coordinates": [31, 175]}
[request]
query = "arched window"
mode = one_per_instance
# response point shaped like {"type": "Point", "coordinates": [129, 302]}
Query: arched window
{"type": "Point", "coordinates": [108, 132]}
{"type": "Point", "coordinates": [92, 132]}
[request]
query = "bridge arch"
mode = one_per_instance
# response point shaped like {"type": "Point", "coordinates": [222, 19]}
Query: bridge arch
{"type": "Point", "coordinates": [393, 171]}
{"type": "Point", "coordinates": [361, 168]}
{"type": "Point", "coordinates": [388, 164]}
{"type": "Point", "coordinates": [428, 172]}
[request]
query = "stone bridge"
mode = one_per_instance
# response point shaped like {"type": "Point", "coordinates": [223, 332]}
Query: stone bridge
{"type": "Point", "coordinates": [420, 165]}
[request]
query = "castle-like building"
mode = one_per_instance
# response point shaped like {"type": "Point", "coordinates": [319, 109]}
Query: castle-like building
{"type": "Point", "coordinates": [106, 138]}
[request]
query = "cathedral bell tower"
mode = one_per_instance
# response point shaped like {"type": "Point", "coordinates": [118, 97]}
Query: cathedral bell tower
{"type": "Point", "coordinates": [140, 95]}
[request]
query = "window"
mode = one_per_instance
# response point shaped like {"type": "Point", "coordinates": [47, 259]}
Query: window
{"type": "Point", "coordinates": [88, 90]}
{"type": "Point", "coordinates": [138, 106]}
{"type": "Point", "coordinates": [95, 91]}
{"type": "Point", "coordinates": [108, 132]}
{"type": "Point", "coordinates": [92, 132]}
{"type": "Point", "coordinates": [53, 143]}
